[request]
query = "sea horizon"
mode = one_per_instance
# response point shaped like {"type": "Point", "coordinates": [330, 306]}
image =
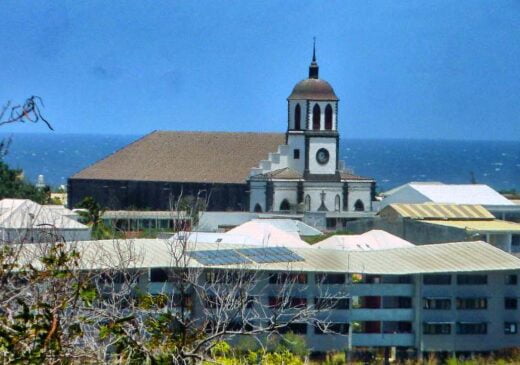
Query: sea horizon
{"type": "Point", "coordinates": [391, 161]}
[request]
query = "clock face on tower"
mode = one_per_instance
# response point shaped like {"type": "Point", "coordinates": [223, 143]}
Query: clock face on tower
{"type": "Point", "coordinates": [322, 156]}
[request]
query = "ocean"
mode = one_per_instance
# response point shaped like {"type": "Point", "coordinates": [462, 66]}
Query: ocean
{"type": "Point", "coordinates": [391, 162]}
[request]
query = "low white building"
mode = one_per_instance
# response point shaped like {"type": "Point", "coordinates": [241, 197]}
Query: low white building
{"type": "Point", "coordinates": [440, 193]}
{"type": "Point", "coordinates": [23, 221]}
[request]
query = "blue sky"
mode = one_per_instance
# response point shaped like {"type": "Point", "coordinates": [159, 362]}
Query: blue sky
{"type": "Point", "coordinates": [402, 69]}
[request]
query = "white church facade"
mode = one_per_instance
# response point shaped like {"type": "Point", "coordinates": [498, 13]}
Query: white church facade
{"type": "Point", "coordinates": [306, 174]}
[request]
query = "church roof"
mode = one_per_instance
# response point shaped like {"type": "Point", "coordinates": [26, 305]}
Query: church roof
{"type": "Point", "coordinates": [285, 173]}
{"type": "Point", "coordinates": [345, 175]}
{"type": "Point", "coordinates": [313, 89]}
{"type": "Point", "coordinates": [205, 157]}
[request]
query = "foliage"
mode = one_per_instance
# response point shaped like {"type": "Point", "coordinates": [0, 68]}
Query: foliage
{"type": "Point", "coordinates": [91, 215]}
{"type": "Point", "coordinates": [13, 186]}
{"type": "Point", "coordinates": [315, 239]}
{"type": "Point", "coordinates": [335, 358]}
{"type": "Point", "coordinates": [39, 323]}
{"type": "Point", "coordinates": [223, 354]}
{"type": "Point", "coordinates": [293, 343]}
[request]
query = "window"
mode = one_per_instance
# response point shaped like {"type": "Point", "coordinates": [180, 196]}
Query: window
{"type": "Point", "coordinates": [437, 303]}
{"type": "Point", "coordinates": [228, 277]}
{"type": "Point", "coordinates": [330, 278]}
{"type": "Point", "coordinates": [511, 279]}
{"type": "Point", "coordinates": [307, 203]}
{"type": "Point", "coordinates": [297, 117]}
{"type": "Point", "coordinates": [332, 328]}
{"type": "Point", "coordinates": [366, 302]}
{"type": "Point", "coordinates": [510, 328]}
{"type": "Point", "coordinates": [471, 303]}
{"type": "Point", "coordinates": [510, 303]}
{"type": "Point", "coordinates": [328, 117]}
{"type": "Point", "coordinates": [158, 275]}
{"type": "Point", "coordinates": [468, 279]}
{"type": "Point", "coordinates": [287, 302]}
{"type": "Point", "coordinates": [284, 206]}
{"type": "Point", "coordinates": [436, 328]}
{"type": "Point", "coordinates": [437, 279]}
{"type": "Point", "coordinates": [337, 203]}
{"type": "Point", "coordinates": [359, 206]}
{"type": "Point", "coordinates": [472, 328]}
{"type": "Point", "coordinates": [397, 327]}
{"type": "Point", "coordinates": [284, 278]}
{"type": "Point", "coordinates": [515, 242]}
{"type": "Point", "coordinates": [296, 154]}
{"type": "Point", "coordinates": [331, 303]}
{"type": "Point", "coordinates": [316, 111]}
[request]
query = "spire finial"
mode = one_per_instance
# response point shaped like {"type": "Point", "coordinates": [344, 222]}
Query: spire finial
{"type": "Point", "coordinates": [313, 49]}
{"type": "Point", "coordinates": [313, 68]}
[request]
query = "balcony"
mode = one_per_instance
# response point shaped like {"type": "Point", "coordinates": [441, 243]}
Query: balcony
{"type": "Point", "coordinates": [383, 339]}
{"type": "Point", "coordinates": [382, 314]}
{"type": "Point", "coordinates": [382, 289]}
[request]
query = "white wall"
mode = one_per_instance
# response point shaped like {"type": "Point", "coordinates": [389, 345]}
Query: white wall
{"type": "Point", "coordinates": [361, 191]}
{"type": "Point", "coordinates": [296, 141]}
{"type": "Point", "coordinates": [329, 144]}
{"type": "Point", "coordinates": [315, 189]}
{"type": "Point", "coordinates": [257, 195]}
{"type": "Point", "coordinates": [285, 190]}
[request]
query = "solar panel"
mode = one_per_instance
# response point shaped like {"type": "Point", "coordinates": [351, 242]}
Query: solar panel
{"type": "Point", "coordinates": [270, 254]}
{"type": "Point", "coordinates": [219, 257]}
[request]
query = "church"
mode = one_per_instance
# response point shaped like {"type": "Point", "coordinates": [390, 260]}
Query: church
{"type": "Point", "coordinates": [295, 172]}
{"type": "Point", "coordinates": [306, 173]}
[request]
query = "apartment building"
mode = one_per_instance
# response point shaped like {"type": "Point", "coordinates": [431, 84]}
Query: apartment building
{"type": "Point", "coordinates": [452, 297]}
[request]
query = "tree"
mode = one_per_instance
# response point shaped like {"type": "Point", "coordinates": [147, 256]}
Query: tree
{"type": "Point", "coordinates": [92, 215]}
{"type": "Point", "coordinates": [193, 309]}
{"type": "Point", "coordinates": [12, 184]}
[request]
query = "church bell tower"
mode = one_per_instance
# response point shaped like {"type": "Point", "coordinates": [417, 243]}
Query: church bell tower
{"type": "Point", "coordinates": [312, 130]}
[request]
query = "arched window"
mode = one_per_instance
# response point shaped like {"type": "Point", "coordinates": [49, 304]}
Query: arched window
{"type": "Point", "coordinates": [328, 117]}
{"type": "Point", "coordinates": [285, 205]}
{"type": "Point", "coordinates": [258, 208]}
{"type": "Point", "coordinates": [307, 203]}
{"type": "Point", "coordinates": [337, 203]}
{"type": "Point", "coordinates": [359, 206]}
{"type": "Point", "coordinates": [316, 111]}
{"type": "Point", "coordinates": [297, 117]}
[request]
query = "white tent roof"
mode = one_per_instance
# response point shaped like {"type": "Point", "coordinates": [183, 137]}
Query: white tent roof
{"type": "Point", "coordinates": [24, 213]}
{"type": "Point", "coordinates": [371, 240]}
{"type": "Point", "coordinates": [456, 193]}
{"type": "Point", "coordinates": [292, 226]}
{"type": "Point", "coordinates": [268, 234]}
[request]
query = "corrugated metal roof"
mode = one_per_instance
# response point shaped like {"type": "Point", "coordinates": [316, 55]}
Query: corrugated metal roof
{"type": "Point", "coordinates": [441, 211]}
{"type": "Point", "coordinates": [493, 226]}
{"type": "Point", "coordinates": [455, 193]}
{"type": "Point", "coordinates": [143, 214]}
{"type": "Point", "coordinates": [436, 258]}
